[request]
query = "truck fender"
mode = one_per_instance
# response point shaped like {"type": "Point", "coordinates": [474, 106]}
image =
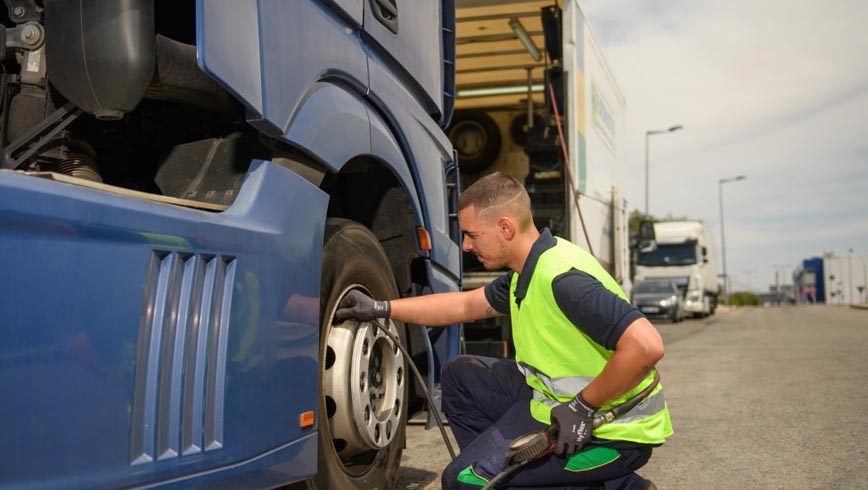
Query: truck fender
{"type": "Point", "coordinates": [337, 126]}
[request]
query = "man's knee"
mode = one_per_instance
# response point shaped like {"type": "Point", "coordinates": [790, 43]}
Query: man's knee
{"type": "Point", "coordinates": [449, 476]}
{"type": "Point", "coordinates": [456, 369]}
{"type": "Point", "coordinates": [459, 476]}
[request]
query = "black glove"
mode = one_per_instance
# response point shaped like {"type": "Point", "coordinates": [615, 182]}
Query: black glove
{"type": "Point", "coordinates": [360, 306]}
{"type": "Point", "coordinates": [576, 421]}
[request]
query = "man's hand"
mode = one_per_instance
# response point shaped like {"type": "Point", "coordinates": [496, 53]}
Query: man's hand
{"type": "Point", "coordinates": [360, 306]}
{"type": "Point", "coordinates": [576, 421]}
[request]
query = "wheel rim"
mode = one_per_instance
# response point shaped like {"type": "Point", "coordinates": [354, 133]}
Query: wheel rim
{"type": "Point", "coordinates": [363, 386]}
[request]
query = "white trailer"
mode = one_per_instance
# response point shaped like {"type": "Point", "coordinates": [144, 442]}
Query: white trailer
{"type": "Point", "coordinates": [684, 253]}
{"type": "Point", "coordinates": [530, 74]}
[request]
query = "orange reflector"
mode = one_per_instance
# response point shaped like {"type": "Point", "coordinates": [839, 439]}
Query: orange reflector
{"type": "Point", "coordinates": [424, 238]}
{"type": "Point", "coordinates": [306, 419]}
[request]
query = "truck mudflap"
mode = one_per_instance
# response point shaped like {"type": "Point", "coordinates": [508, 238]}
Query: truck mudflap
{"type": "Point", "coordinates": [147, 344]}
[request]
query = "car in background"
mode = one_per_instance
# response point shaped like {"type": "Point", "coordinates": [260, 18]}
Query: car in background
{"type": "Point", "coordinates": [659, 298]}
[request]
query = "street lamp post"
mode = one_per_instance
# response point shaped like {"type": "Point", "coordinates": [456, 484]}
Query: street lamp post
{"type": "Point", "coordinates": [722, 235]}
{"type": "Point", "coordinates": [647, 134]}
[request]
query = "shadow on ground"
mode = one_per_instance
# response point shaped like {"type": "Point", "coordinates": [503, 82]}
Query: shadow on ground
{"type": "Point", "coordinates": [415, 478]}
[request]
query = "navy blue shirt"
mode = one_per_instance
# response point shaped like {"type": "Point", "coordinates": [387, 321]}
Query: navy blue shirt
{"type": "Point", "coordinates": [601, 314]}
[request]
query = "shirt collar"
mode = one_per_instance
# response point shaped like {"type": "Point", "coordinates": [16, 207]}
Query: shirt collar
{"type": "Point", "coordinates": [544, 242]}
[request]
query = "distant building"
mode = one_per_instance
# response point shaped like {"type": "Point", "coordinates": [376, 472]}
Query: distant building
{"type": "Point", "coordinates": [832, 280]}
{"type": "Point", "coordinates": [845, 279]}
{"type": "Point", "coordinates": [805, 281]}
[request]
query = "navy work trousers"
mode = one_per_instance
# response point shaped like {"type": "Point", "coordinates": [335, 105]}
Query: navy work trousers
{"type": "Point", "coordinates": [487, 403]}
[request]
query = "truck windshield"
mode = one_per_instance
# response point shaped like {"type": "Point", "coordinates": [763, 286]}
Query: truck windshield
{"type": "Point", "coordinates": [674, 254]}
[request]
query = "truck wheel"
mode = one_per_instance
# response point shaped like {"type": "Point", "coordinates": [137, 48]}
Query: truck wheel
{"type": "Point", "coordinates": [363, 386]}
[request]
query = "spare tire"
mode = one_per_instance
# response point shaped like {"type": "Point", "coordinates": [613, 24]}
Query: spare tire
{"type": "Point", "coordinates": [520, 132]}
{"type": "Point", "coordinates": [476, 137]}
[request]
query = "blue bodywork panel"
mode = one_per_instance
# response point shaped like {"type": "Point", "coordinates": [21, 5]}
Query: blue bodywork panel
{"type": "Point", "coordinates": [416, 45]}
{"type": "Point", "coordinates": [337, 88]}
{"type": "Point", "coordinates": [286, 47]}
{"type": "Point", "coordinates": [110, 291]}
{"type": "Point", "coordinates": [147, 344]}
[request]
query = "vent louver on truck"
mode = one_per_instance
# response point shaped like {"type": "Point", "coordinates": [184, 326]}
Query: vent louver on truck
{"type": "Point", "coordinates": [181, 356]}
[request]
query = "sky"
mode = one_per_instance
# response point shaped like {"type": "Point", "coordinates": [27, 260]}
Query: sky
{"type": "Point", "coordinates": [774, 90]}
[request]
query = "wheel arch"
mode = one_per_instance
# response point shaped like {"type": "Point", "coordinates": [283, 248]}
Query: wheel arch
{"type": "Point", "coordinates": [369, 178]}
{"type": "Point", "coordinates": [366, 191]}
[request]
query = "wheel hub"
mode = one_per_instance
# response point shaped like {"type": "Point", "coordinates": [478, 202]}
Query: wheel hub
{"type": "Point", "coordinates": [366, 384]}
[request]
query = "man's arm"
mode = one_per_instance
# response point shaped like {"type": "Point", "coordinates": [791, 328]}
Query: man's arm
{"type": "Point", "coordinates": [430, 310]}
{"type": "Point", "coordinates": [443, 308]}
{"type": "Point", "coordinates": [616, 325]}
{"type": "Point", "coordinates": [636, 353]}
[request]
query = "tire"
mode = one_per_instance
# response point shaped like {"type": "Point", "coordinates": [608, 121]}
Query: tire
{"type": "Point", "coordinates": [519, 131]}
{"type": "Point", "coordinates": [360, 440]}
{"type": "Point", "coordinates": [476, 137]}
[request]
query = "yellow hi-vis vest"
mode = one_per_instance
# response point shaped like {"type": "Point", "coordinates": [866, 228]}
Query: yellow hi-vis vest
{"type": "Point", "coordinates": [558, 360]}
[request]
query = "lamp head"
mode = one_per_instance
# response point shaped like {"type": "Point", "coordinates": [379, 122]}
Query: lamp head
{"type": "Point", "coordinates": [732, 179]}
{"type": "Point", "coordinates": [523, 36]}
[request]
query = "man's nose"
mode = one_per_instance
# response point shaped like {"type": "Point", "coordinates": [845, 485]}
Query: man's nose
{"type": "Point", "coordinates": [465, 244]}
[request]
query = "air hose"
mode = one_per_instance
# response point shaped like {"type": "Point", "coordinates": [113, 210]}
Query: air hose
{"type": "Point", "coordinates": [568, 167]}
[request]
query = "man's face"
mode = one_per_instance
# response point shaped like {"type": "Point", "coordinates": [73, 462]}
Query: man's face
{"type": "Point", "coordinates": [482, 237]}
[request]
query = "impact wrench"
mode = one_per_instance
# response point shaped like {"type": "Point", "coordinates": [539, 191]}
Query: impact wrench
{"type": "Point", "coordinates": [534, 445]}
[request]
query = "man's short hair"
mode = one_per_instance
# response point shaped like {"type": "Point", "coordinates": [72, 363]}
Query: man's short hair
{"type": "Point", "coordinates": [498, 194]}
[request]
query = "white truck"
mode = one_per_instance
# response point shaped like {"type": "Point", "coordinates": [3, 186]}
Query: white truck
{"type": "Point", "coordinates": [683, 251]}
{"type": "Point", "coordinates": [530, 74]}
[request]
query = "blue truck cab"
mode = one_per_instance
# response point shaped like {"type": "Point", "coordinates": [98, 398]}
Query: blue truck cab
{"type": "Point", "coordinates": [187, 191]}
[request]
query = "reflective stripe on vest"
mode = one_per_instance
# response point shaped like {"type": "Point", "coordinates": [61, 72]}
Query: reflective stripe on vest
{"type": "Point", "coordinates": [652, 404]}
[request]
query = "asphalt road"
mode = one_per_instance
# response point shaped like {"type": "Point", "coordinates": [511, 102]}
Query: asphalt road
{"type": "Point", "coordinates": [760, 398]}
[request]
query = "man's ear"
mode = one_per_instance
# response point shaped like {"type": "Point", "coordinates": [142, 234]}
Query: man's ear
{"type": "Point", "coordinates": [506, 227]}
